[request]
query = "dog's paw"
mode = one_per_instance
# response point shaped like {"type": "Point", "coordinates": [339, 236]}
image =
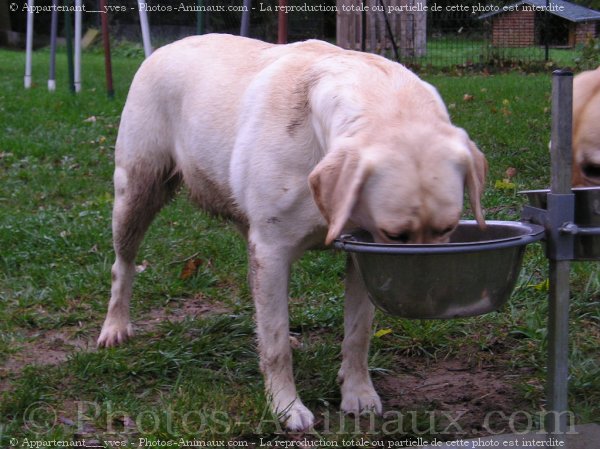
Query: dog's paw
{"type": "Point", "coordinates": [298, 418]}
{"type": "Point", "coordinates": [360, 399]}
{"type": "Point", "coordinates": [114, 333]}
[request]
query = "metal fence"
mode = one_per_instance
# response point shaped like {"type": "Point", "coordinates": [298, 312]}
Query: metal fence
{"type": "Point", "coordinates": [447, 33]}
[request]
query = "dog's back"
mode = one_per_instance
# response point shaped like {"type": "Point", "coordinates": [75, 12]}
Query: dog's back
{"type": "Point", "coordinates": [182, 116]}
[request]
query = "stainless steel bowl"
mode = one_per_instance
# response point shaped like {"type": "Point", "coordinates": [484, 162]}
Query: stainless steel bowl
{"type": "Point", "coordinates": [473, 274]}
{"type": "Point", "coordinates": [587, 214]}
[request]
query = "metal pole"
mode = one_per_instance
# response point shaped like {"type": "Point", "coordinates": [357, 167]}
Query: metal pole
{"type": "Point", "coordinates": [363, 27]}
{"type": "Point", "coordinates": [200, 18]}
{"type": "Point", "coordinates": [389, 30]}
{"type": "Point", "coordinates": [245, 27]}
{"type": "Point", "coordinates": [282, 23]}
{"type": "Point", "coordinates": [106, 41]}
{"type": "Point", "coordinates": [562, 124]}
{"type": "Point", "coordinates": [69, 39]}
{"type": "Point", "coordinates": [78, 33]}
{"type": "Point", "coordinates": [145, 28]}
{"type": "Point", "coordinates": [546, 31]}
{"type": "Point", "coordinates": [53, 33]}
{"type": "Point", "coordinates": [558, 319]}
{"type": "Point", "coordinates": [29, 44]}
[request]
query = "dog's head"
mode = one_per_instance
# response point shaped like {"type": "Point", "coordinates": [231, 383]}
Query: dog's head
{"type": "Point", "coordinates": [586, 128]}
{"type": "Point", "coordinates": [407, 189]}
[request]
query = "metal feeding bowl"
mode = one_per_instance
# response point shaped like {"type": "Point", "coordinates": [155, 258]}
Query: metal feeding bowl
{"type": "Point", "coordinates": [473, 274]}
{"type": "Point", "coordinates": [587, 216]}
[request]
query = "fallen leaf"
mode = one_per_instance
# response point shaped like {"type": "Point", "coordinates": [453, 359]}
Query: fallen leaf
{"type": "Point", "coordinates": [381, 332]}
{"type": "Point", "coordinates": [468, 97]}
{"type": "Point", "coordinates": [190, 268]}
{"type": "Point", "coordinates": [504, 185]}
{"type": "Point", "coordinates": [91, 119]}
{"type": "Point", "coordinates": [510, 172]}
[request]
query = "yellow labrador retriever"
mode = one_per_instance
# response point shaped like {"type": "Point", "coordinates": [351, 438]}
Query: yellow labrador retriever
{"type": "Point", "coordinates": [294, 143]}
{"type": "Point", "coordinates": [586, 128]}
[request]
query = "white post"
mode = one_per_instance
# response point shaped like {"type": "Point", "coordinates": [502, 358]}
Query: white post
{"type": "Point", "coordinates": [29, 44]}
{"type": "Point", "coordinates": [77, 56]}
{"type": "Point", "coordinates": [145, 27]}
{"type": "Point", "coordinates": [53, 33]}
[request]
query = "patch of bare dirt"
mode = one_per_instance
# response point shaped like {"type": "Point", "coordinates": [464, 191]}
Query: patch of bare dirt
{"type": "Point", "coordinates": [178, 310]}
{"type": "Point", "coordinates": [52, 347]}
{"type": "Point", "coordinates": [43, 348]}
{"type": "Point", "coordinates": [456, 396]}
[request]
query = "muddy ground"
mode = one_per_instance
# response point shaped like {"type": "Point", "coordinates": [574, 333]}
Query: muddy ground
{"type": "Point", "coordinates": [464, 396]}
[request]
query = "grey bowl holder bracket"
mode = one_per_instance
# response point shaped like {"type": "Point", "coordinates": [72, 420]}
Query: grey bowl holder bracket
{"type": "Point", "coordinates": [558, 221]}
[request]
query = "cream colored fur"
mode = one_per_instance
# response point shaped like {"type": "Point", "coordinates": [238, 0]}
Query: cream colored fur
{"type": "Point", "coordinates": [295, 143]}
{"type": "Point", "coordinates": [586, 128]}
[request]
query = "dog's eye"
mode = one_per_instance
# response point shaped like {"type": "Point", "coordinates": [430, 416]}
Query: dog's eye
{"type": "Point", "coordinates": [591, 170]}
{"type": "Point", "coordinates": [402, 237]}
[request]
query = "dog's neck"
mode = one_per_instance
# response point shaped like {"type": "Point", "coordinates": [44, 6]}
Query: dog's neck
{"type": "Point", "coordinates": [335, 115]}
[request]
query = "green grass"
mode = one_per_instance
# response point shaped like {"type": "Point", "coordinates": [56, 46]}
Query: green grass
{"type": "Point", "coordinates": [198, 377]}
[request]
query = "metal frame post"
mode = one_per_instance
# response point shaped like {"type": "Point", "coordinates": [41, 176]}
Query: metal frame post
{"type": "Point", "coordinates": [78, 36]}
{"type": "Point", "coordinates": [53, 33]}
{"type": "Point", "coordinates": [29, 45]}
{"type": "Point", "coordinates": [69, 38]}
{"type": "Point", "coordinates": [106, 42]}
{"type": "Point", "coordinates": [145, 28]}
{"type": "Point", "coordinates": [282, 23]}
{"type": "Point", "coordinates": [559, 198]}
{"type": "Point", "coordinates": [245, 25]}
{"type": "Point", "coordinates": [200, 17]}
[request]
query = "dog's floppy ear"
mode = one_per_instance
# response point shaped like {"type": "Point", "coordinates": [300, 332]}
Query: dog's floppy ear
{"type": "Point", "coordinates": [335, 184]}
{"type": "Point", "coordinates": [475, 181]}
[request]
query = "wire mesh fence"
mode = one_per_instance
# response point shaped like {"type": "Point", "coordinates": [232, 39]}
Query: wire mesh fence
{"type": "Point", "coordinates": [440, 33]}
{"type": "Point", "coordinates": [445, 33]}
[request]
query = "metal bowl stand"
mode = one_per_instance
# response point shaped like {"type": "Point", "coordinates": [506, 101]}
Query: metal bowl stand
{"type": "Point", "coordinates": [558, 220]}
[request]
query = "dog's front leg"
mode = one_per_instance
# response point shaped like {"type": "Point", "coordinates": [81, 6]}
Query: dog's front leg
{"type": "Point", "coordinates": [358, 393]}
{"type": "Point", "coordinates": [269, 268]}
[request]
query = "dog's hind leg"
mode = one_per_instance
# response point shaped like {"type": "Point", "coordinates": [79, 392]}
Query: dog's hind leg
{"type": "Point", "coordinates": [141, 191]}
